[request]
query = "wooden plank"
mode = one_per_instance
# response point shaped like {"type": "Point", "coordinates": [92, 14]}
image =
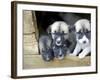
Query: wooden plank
{"type": "Point", "coordinates": [30, 38]}
{"type": "Point", "coordinates": [28, 22]}
{"type": "Point", "coordinates": [31, 49]}
{"type": "Point", "coordinates": [35, 24]}
{"type": "Point", "coordinates": [30, 44]}
{"type": "Point", "coordinates": [36, 61]}
{"type": "Point", "coordinates": [30, 33]}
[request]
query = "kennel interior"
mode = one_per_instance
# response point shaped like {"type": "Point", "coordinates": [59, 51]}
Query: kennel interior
{"type": "Point", "coordinates": [32, 29]}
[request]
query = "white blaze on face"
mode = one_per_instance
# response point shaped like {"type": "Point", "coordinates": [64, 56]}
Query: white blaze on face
{"type": "Point", "coordinates": [84, 39]}
{"type": "Point", "coordinates": [58, 40]}
{"type": "Point", "coordinates": [81, 42]}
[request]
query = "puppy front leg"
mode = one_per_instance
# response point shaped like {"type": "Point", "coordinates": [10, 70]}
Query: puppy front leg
{"type": "Point", "coordinates": [76, 50]}
{"type": "Point", "coordinates": [84, 52]}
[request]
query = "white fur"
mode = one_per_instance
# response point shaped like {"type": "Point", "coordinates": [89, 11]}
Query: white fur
{"type": "Point", "coordinates": [63, 27]}
{"type": "Point", "coordinates": [58, 39]}
{"type": "Point", "coordinates": [82, 22]}
{"type": "Point", "coordinates": [86, 48]}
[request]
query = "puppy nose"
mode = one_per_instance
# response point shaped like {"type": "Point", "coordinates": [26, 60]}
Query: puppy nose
{"type": "Point", "coordinates": [60, 55]}
{"type": "Point", "coordinates": [84, 42]}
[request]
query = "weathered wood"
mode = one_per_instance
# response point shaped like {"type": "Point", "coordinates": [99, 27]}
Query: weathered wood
{"type": "Point", "coordinates": [36, 61]}
{"type": "Point", "coordinates": [30, 44]}
{"type": "Point", "coordinates": [31, 49]}
{"type": "Point", "coordinates": [28, 22]}
{"type": "Point", "coordinates": [35, 24]}
{"type": "Point", "coordinates": [30, 33]}
{"type": "Point", "coordinates": [31, 38]}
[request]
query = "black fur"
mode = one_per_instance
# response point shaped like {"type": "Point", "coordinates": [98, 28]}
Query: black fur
{"type": "Point", "coordinates": [45, 42]}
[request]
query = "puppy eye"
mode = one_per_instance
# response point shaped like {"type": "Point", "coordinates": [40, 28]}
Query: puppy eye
{"type": "Point", "coordinates": [87, 31]}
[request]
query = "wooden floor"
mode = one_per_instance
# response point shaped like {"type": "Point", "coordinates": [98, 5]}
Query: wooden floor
{"type": "Point", "coordinates": [35, 61]}
{"type": "Point", "coordinates": [32, 59]}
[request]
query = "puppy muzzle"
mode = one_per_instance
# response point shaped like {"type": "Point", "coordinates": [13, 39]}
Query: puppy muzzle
{"type": "Point", "coordinates": [59, 41]}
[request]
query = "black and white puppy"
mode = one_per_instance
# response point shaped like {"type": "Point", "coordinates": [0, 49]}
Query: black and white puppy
{"type": "Point", "coordinates": [45, 47]}
{"type": "Point", "coordinates": [59, 32]}
{"type": "Point", "coordinates": [83, 37]}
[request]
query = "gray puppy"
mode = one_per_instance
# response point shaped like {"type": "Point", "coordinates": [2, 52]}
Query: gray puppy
{"type": "Point", "coordinates": [60, 51]}
{"type": "Point", "coordinates": [45, 48]}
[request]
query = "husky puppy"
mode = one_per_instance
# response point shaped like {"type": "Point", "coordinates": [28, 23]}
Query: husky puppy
{"type": "Point", "coordinates": [83, 37]}
{"type": "Point", "coordinates": [45, 48]}
{"type": "Point", "coordinates": [59, 31]}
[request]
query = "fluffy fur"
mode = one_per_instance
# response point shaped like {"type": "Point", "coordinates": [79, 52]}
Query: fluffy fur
{"type": "Point", "coordinates": [83, 37]}
{"type": "Point", "coordinates": [60, 33]}
{"type": "Point", "coordinates": [45, 48]}
{"type": "Point", "coordinates": [60, 51]}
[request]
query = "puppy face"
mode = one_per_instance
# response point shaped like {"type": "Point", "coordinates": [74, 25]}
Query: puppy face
{"type": "Point", "coordinates": [59, 32]}
{"type": "Point", "coordinates": [60, 51]}
{"type": "Point", "coordinates": [83, 31]}
{"type": "Point", "coordinates": [47, 55]}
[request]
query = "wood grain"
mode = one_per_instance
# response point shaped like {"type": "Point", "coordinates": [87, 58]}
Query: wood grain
{"type": "Point", "coordinates": [36, 61]}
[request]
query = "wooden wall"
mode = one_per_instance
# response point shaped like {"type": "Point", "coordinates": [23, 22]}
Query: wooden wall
{"type": "Point", "coordinates": [30, 33]}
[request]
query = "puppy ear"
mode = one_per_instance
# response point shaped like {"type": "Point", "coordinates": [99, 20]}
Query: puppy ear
{"type": "Point", "coordinates": [72, 28]}
{"type": "Point", "coordinates": [49, 30]}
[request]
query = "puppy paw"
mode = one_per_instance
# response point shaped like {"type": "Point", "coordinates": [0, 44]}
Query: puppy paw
{"type": "Point", "coordinates": [81, 56]}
